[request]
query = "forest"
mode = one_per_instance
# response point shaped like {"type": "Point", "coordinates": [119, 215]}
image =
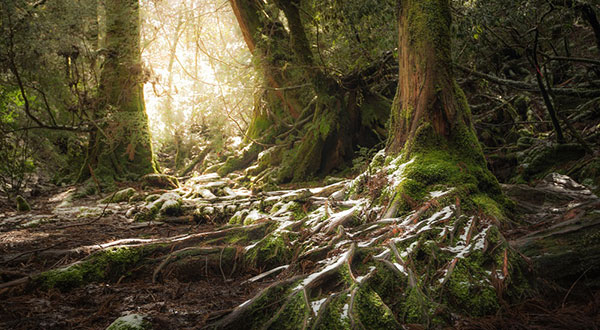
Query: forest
{"type": "Point", "coordinates": [299, 164]}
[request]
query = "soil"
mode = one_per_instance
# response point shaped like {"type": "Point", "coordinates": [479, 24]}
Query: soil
{"type": "Point", "coordinates": [171, 304]}
{"type": "Point", "coordinates": [192, 304]}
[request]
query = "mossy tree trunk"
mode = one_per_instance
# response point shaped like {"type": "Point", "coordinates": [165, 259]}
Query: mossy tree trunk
{"type": "Point", "coordinates": [416, 238]}
{"type": "Point", "coordinates": [303, 107]}
{"type": "Point", "coordinates": [120, 147]}
{"type": "Point", "coordinates": [427, 94]}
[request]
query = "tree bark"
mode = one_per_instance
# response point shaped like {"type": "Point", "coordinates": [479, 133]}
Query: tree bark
{"type": "Point", "coordinates": [121, 146]}
{"type": "Point", "coordinates": [427, 93]}
{"type": "Point", "coordinates": [302, 91]}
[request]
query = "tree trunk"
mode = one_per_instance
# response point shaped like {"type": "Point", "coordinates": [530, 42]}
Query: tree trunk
{"type": "Point", "coordinates": [421, 240]}
{"type": "Point", "coordinates": [121, 146]}
{"type": "Point", "coordinates": [301, 97]}
{"type": "Point", "coordinates": [427, 94]}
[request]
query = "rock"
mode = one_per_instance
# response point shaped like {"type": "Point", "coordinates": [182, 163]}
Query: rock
{"type": "Point", "coordinates": [205, 193]}
{"type": "Point", "coordinates": [22, 205]}
{"type": "Point", "coordinates": [120, 196]}
{"type": "Point", "coordinates": [136, 198]}
{"type": "Point", "coordinates": [130, 322]}
{"type": "Point", "coordinates": [171, 208]}
{"type": "Point", "coordinates": [161, 181]}
{"type": "Point", "coordinates": [149, 211]}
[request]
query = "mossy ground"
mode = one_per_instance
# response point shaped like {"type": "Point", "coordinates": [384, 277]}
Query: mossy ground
{"type": "Point", "coordinates": [107, 265]}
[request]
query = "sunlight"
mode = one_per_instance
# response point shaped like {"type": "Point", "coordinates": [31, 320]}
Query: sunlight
{"type": "Point", "coordinates": [197, 65]}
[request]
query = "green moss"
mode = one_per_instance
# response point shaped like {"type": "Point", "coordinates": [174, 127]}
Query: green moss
{"type": "Point", "coordinates": [438, 169]}
{"type": "Point", "coordinates": [467, 292]}
{"type": "Point", "coordinates": [238, 217]}
{"type": "Point", "coordinates": [293, 314]}
{"type": "Point", "coordinates": [120, 196]}
{"type": "Point", "coordinates": [161, 181]}
{"type": "Point", "coordinates": [171, 208]}
{"type": "Point", "coordinates": [130, 322]}
{"type": "Point", "coordinates": [272, 251]}
{"type": "Point", "coordinates": [488, 206]}
{"type": "Point", "coordinates": [234, 163]}
{"type": "Point", "coordinates": [416, 307]}
{"type": "Point", "coordinates": [22, 205]}
{"type": "Point", "coordinates": [389, 287]}
{"type": "Point", "coordinates": [105, 265]}
{"type": "Point", "coordinates": [302, 160]}
{"type": "Point", "coordinates": [265, 306]}
{"type": "Point", "coordinates": [373, 312]}
{"type": "Point", "coordinates": [333, 315]}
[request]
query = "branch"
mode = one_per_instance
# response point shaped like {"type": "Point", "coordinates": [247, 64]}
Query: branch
{"type": "Point", "coordinates": [520, 85]}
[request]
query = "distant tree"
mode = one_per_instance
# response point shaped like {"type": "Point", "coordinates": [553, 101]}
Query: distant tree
{"type": "Point", "coordinates": [315, 116]}
{"type": "Point", "coordinates": [120, 146]}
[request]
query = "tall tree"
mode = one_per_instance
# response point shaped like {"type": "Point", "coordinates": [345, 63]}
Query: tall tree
{"type": "Point", "coordinates": [323, 111]}
{"type": "Point", "coordinates": [120, 147]}
{"type": "Point", "coordinates": [436, 249]}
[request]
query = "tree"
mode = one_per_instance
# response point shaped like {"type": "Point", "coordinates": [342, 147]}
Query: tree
{"type": "Point", "coordinates": [425, 246]}
{"type": "Point", "coordinates": [120, 147]}
{"type": "Point", "coordinates": [313, 117]}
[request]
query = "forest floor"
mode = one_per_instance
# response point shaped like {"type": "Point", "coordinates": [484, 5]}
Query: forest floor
{"type": "Point", "coordinates": [172, 304]}
{"type": "Point", "coordinates": [193, 303]}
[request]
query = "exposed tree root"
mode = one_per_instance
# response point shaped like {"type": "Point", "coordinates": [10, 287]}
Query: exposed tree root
{"type": "Point", "coordinates": [336, 265]}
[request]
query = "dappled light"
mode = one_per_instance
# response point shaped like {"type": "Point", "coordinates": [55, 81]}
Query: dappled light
{"type": "Point", "coordinates": [302, 164]}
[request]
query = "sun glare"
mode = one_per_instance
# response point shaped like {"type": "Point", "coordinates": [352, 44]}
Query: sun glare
{"type": "Point", "coordinates": [197, 63]}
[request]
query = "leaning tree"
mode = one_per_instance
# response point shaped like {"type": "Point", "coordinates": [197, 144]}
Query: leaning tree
{"type": "Point", "coordinates": [310, 118]}
{"type": "Point", "coordinates": [120, 146]}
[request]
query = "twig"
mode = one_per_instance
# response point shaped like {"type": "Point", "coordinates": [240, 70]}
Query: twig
{"type": "Point", "coordinates": [573, 285]}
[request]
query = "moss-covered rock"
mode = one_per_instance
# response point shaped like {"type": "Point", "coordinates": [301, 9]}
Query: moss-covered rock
{"type": "Point", "coordinates": [131, 322]}
{"type": "Point", "coordinates": [171, 208]}
{"type": "Point", "coordinates": [150, 210]}
{"type": "Point", "coordinates": [120, 196]}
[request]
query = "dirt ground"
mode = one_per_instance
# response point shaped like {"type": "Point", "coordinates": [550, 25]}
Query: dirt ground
{"type": "Point", "coordinates": [171, 304]}
{"type": "Point", "coordinates": [175, 304]}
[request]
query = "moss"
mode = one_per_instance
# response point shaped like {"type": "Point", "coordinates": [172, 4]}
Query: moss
{"type": "Point", "coordinates": [272, 251]}
{"type": "Point", "coordinates": [373, 312]}
{"type": "Point", "coordinates": [22, 205]}
{"type": "Point", "coordinates": [488, 206]}
{"type": "Point", "coordinates": [103, 266]}
{"type": "Point", "coordinates": [130, 322]}
{"type": "Point", "coordinates": [264, 307]}
{"type": "Point", "coordinates": [293, 314]}
{"type": "Point", "coordinates": [333, 315]}
{"type": "Point", "coordinates": [416, 307]}
{"type": "Point", "coordinates": [120, 196]}
{"type": "Point", "coordinates": [436, 169]}
{"type": "Point", "coordinates": [171, 208]}
{"type": "Point", "coordinates": [302, 160]}
{"type": "Point", "coordinates": [389, 287]}
{"type": "Point", "coordinates": [161, 181]}
{"type": "Point", "coordinates": [234, 163]}
{"type": "Point", "coordinates": [467, 292]}
{"type": "Point", "coordinates": [238, 217]}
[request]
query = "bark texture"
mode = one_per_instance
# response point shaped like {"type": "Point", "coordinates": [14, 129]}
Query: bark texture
{"type": "Point", "coordinates": [313, 118]}
{"type": "Point", "coordinates": [120, 147]}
